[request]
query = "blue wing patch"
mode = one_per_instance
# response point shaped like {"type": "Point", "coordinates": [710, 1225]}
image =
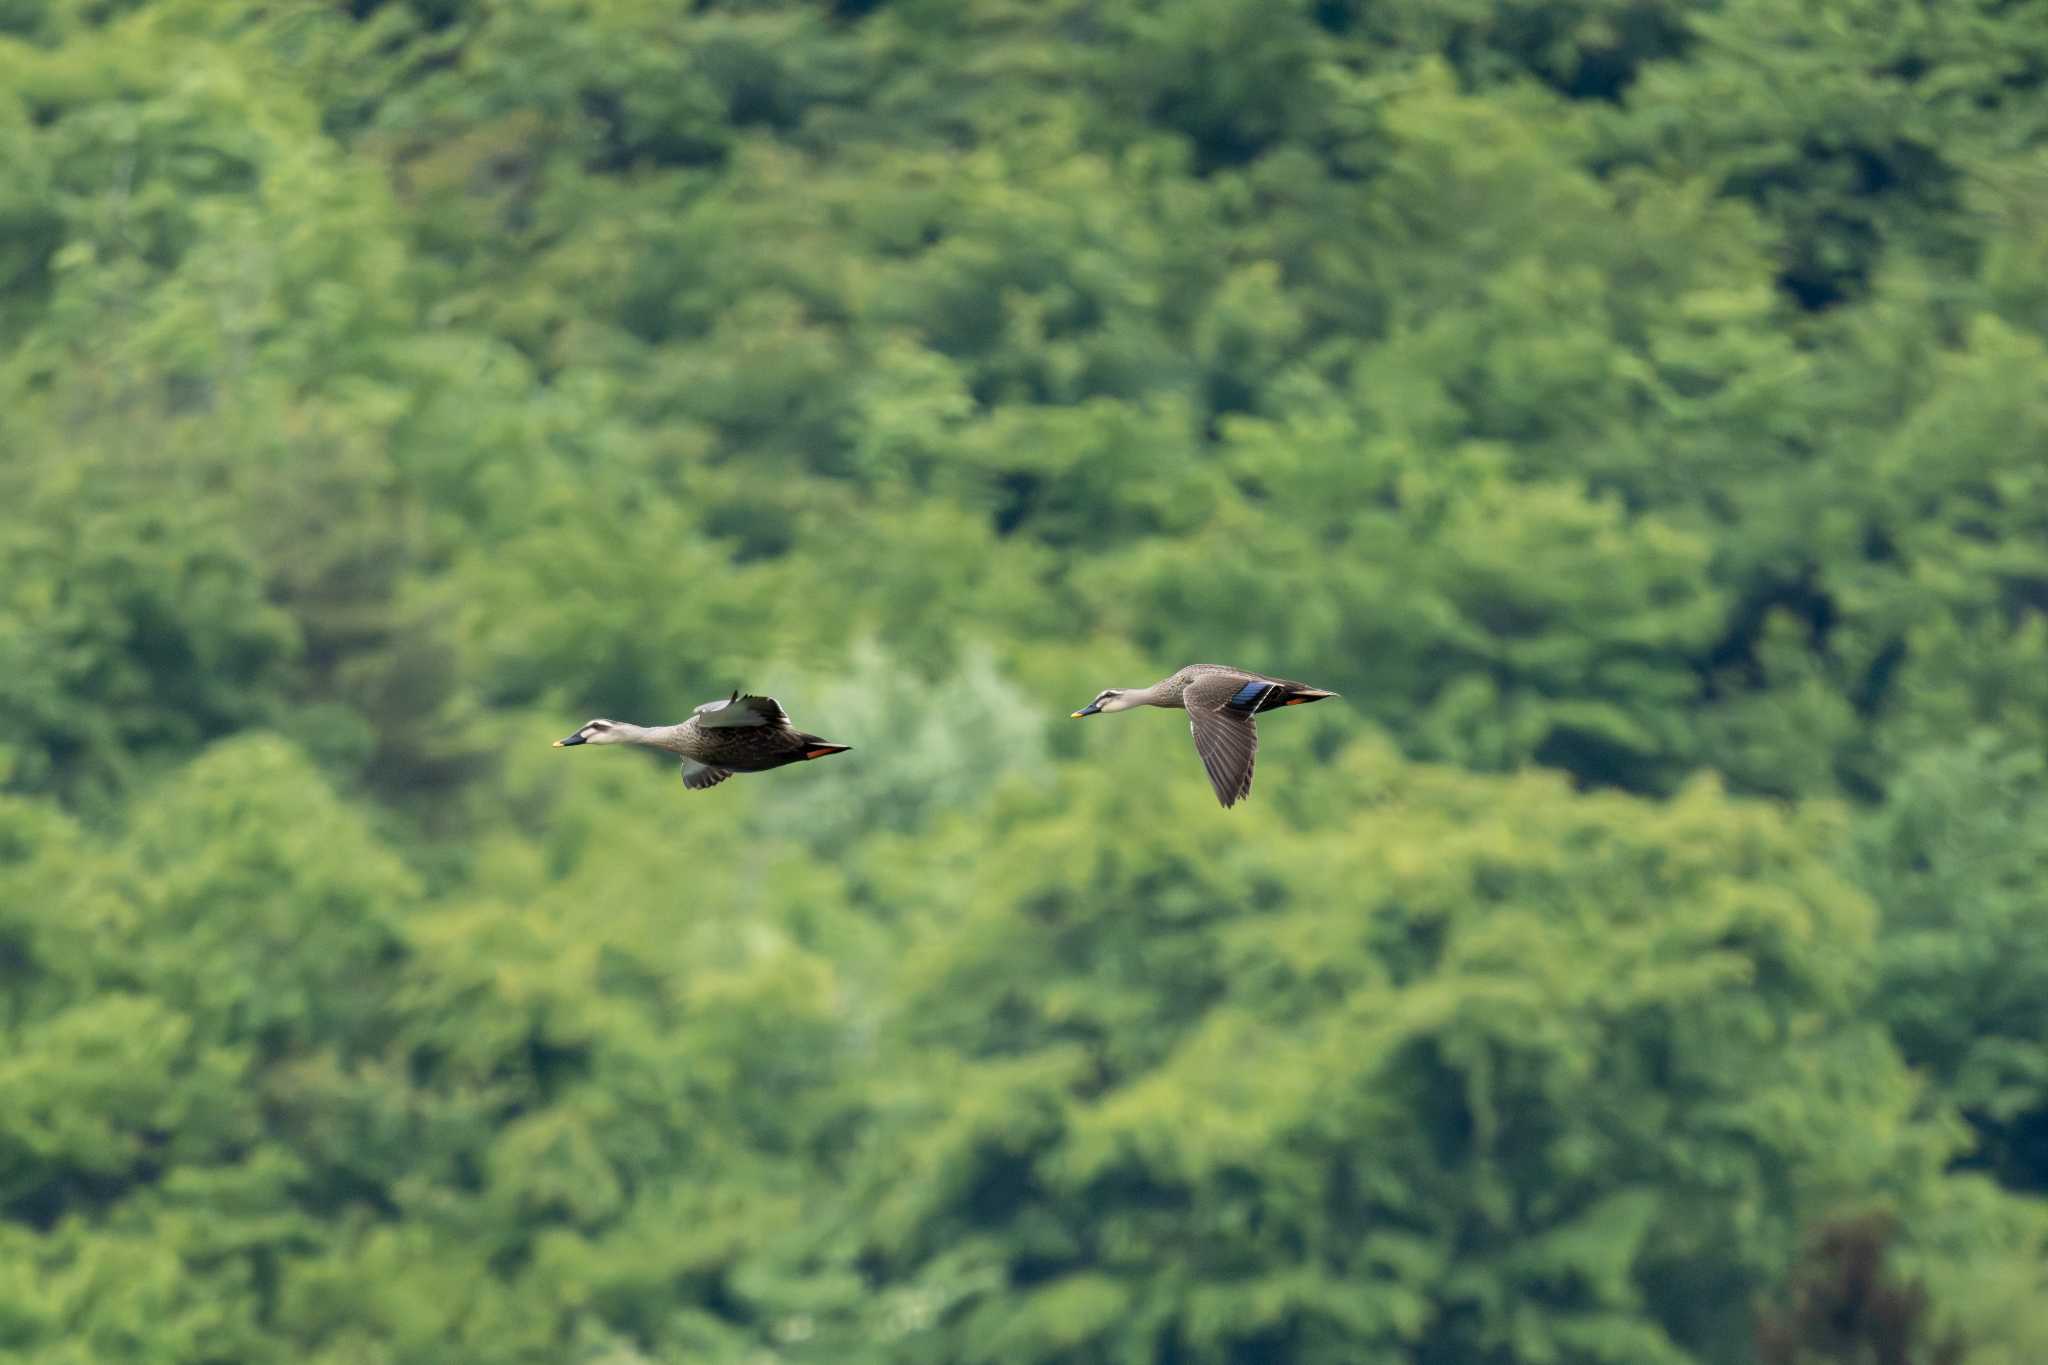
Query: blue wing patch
{"type": "Point", "coordinates": [1248, 696]}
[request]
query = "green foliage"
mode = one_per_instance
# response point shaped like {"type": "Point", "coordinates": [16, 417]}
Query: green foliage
{"type": "Point", "coordinates": [130, 629]}
{"type": "Point", "coordinates": [1955, 858]}
{"type": "Point", "coordinates": [1399, 1100]}
{"type": "Point", "coordinates": [1846, 1306]}
{"type": "Point", "coordinates": [1635, 409]}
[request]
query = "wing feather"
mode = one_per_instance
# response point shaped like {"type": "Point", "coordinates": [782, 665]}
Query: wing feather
{"type": "Point", "coordinates": [697, 776]}
{"type": "Point", "coordinates": [1225, 737]}
{"type": "Point", "coordinates": [742, 712]}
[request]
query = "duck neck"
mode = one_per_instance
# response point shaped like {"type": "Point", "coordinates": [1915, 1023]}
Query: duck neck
{"type": "Point", "coordinates": [1155, 695]}
{"type": "Point", "coordinates": [629, 733]}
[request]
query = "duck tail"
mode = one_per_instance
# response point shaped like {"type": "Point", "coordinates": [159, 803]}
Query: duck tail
{"type": "Point", "coordinates": [1304, 695]}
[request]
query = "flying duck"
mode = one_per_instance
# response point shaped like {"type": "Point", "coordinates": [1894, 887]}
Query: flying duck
{"type": "Point", "coordinates": [1220, 702]}
{"type": "Point", "coordinates": [739, 734]}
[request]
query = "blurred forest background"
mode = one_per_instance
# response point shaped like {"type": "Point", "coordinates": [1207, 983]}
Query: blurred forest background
{"type": "Point", "coordinates": [1637, 409]}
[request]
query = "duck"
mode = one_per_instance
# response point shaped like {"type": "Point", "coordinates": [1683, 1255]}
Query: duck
{"type": "Point", "coordinates": [736, 734]}
{"type": "Point", "coordinates": [1220, 702]}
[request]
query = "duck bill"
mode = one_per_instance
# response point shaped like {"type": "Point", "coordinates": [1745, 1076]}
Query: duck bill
{"type": "Point", "coordinates": [1090, 709]}
{"type": "Point", "coordinates": [571, 742]}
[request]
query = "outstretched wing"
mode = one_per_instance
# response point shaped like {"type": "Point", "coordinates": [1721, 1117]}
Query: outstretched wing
{"type": "Point", "coordinates": [697, 776]}
{"type": "Point", "coordinates": [1220, 717]}
{"type": "Point", "coordinates": [738, 712]}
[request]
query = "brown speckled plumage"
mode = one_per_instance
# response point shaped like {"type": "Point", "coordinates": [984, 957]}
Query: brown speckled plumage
{"type": "Point", "coordinates": [739, 734]}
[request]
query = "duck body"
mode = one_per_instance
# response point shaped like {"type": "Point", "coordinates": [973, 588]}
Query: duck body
{"type": "Point", "coordinates": [1249, 692]}
{"type": "Point", "coordinates": [1220, 702]}
{"type": "Point", "coordinates": [740, 734]}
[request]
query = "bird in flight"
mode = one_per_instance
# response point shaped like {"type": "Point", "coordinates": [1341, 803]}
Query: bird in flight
{"type": "Point", "coordinates": [739, 734]}
{"type": "Point", "coordinates": [1220, 703]}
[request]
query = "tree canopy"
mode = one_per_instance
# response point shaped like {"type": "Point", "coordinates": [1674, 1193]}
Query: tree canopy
{"type": "Point", "coordinates": [1637, 409]}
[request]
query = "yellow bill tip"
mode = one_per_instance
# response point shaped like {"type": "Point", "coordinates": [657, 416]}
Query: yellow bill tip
{"type": "Point", "coordinates": [559, 744]}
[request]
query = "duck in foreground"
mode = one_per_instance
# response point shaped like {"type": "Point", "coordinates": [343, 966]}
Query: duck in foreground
{"type": "Point", "coordinates": [737, 735]}
{"type": "Point", "coordinates": [1220, 702]}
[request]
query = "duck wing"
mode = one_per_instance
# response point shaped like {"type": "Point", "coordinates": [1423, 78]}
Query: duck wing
{"type": "Point", "coordinates": [1220, 708]}
{"type": "Point", "coordinates": [739, 712]}
{"type": "Point", "coordinates": [697, 776]}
